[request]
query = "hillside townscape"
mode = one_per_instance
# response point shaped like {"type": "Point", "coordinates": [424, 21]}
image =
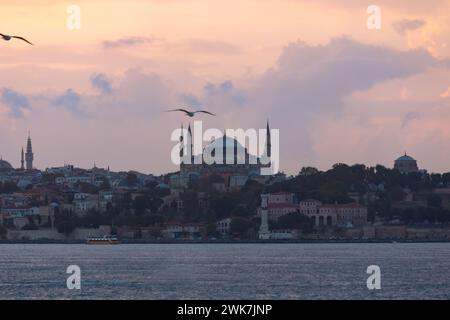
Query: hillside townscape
{"type": "Point", "coordinates": [224, 202]}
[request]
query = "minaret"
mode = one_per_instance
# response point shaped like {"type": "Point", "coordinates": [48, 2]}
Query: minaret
{"type": "Point", "coordinates": [181, 144]}
{"type": "Point", "coordinates": [268, 141]}
{"type": "Point", "coordinates": [224, 148]}
{"type": "Point", "coordinates": [189, 145]}
{"type": "Point", "coordinates": [29, 157]}
{"type": "Point", "coordinates": [264, 233]}
{"type": "Point", "coordinates": [22, 161]}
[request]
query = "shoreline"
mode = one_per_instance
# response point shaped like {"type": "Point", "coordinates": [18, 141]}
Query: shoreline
{"type": "Point", "coordinates": [362, 241]}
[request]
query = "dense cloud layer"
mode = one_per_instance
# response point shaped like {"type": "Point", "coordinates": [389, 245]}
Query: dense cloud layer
{"type": "Point", "coordinates": [321, 97]}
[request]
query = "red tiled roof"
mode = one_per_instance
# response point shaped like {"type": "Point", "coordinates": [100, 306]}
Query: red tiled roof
{"type": "Point", "coordinates": [282, 205]}
{"type": "Point", "coordinates": [343, 205]}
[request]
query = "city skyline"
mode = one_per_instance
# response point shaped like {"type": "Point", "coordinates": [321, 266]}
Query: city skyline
{"type": "Point", "coordinates": [404, 163]}
{"type": "Point", "coordinates": [338, 94]}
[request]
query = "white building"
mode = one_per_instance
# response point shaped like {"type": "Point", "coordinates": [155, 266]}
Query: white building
{"type": "Point", "coordinates": [280, 204]}
{"type": "Point", "coordinates": [223, 226]}
{"type": "Point", "coordinates": [84, 202]}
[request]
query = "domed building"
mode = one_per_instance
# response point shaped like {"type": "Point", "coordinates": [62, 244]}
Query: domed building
{"type": "Point", "coordinates": [5, 166]}
{"type": "Point", "coordinates": [406, 164]}
{"type": "Point", "coordinates": [224, 157]}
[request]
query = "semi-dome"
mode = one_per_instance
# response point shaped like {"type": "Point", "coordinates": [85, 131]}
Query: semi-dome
{"type": "Point", "coordinates": [5, 165]}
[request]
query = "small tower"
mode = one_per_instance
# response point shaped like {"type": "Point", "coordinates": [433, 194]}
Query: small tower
{"type": "Point", "coordinates": [264, 233]}
{"type": "Point", "coordinates": [29, 156]}
{"type": "Point", "coordinates": [22, 161]}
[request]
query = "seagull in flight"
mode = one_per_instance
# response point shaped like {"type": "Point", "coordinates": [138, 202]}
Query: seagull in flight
{"type": "Point", "coordinates": [7, 38]}
{"type": "Point", "coordinates": [191, 113]}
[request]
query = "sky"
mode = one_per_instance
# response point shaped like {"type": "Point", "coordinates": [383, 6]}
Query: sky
{"type": "Point", "coordinates": [337, 91]}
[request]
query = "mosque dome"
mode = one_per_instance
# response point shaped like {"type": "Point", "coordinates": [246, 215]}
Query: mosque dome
{"type": "Point", "coordinates": [5, 165]}
{"type": "Point", "coordinates": [231, 149]}
{"type": "Point", "coordinates": [406, 158]}
{"type": "Point", "coordinates": [406, 164]}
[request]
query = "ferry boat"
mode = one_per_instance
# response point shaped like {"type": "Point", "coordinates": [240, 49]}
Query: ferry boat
{"type": "Point", "coordinates": [103, 240]}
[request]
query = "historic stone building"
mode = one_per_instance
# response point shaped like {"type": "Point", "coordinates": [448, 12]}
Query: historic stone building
{"type": "Point", "coordinates": [406, 164]}
{"type": "Point", "coordinates": [235, 158]}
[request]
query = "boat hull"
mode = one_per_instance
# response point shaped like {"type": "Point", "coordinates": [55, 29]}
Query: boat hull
{"type": "Point", "coordinates": [102, 242]}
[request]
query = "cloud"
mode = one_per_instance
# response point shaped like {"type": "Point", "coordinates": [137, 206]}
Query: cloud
{"type": "Point", "coordinates": [101, 82]}
{"type": "Point", "coordinates": [310, 83]}
{"type": "Point", "coordinates": [312, 79]}
{"type": "Point", "coordinates": [141, 94]}
{"type": "Point", "coordinates": [409, 117]}
{"type": "Point", "coordinates": [405, 25]}
{"type": "Point", "coordinates": [15, 102]}
{"type": "Point", "coordinates": [222, 97]}
{"type": "Point", "coordinates": [206, 46]}
{"type": "Point", "coordinates": [190, 100]}
{"type": "Point", "coordinates": [70, 100]}
{"type": "Point", "coordinates": [127, 42]}
{"type": "Point", "coordinates": [446, 94]}
{"type": "Point", "coordinates": [309, 94]}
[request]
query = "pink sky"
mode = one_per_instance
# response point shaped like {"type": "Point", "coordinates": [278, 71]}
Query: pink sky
{"type": "Point", "coordinates": [337, 91]}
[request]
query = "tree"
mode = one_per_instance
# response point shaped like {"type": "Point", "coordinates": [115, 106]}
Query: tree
{"type": "Point", "coordinates": [87, 188]}
{"type": "Point", "coordinates": [295, 220]}
{"type": "Point", "coordinates": [140, 204]}
{"type": "Point", "coordinates": [8, 187]}
{"type": "Point", "coordinates": [434, 200]}
{"type": "Point", "coordinates": [397, 193]}
{"type": "Point", "coordinates": [240, 226]}
{"type": "Point", "coordinates": [308, 171]}
{"type": "Point", "coordinates": [65, 222]}
{"type": "Point", "coordinates": [211, 230]}
{"type": "Point", "coordinates": [105, 184]}
{"type": "Point", "coordinates": [132, 179]}
{"type": "Point", "coordinates": [3, 232]}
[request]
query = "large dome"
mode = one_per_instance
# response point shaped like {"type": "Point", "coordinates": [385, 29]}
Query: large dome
{"type": "Point", "coordinates": [406, 158]}
{"type": "Point", "coordinates": [406, 164]}
{"type": "Point", "coordinates": [231, 150]}
{"type": "Point", "coordinates": [229, 143]}
{"type": "Point", "coordinates": [5, 165]}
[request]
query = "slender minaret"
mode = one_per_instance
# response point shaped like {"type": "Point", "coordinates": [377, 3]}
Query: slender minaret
{"type": "Point", "coordinates": [29, 156]}
{"type": "Point", "coordinates": [264, 233]}
{"type": "Point", "coordinates": [190, 146]}
{"type": "Point", "coordinates": [181, 144]}
{"type": "Point", "coordinates": [268, 141]}
{"type": "Point", "coordinates": [224, 148]}
{"type": "Point", "coordinates": [22, 161]}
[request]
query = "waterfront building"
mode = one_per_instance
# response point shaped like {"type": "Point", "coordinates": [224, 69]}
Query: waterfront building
{"type": "Point", "coordinates": [223, 226]}
{"type": "Point", "coordinates": [345, 215]}
{"type": "Point", "coordinates": [280, 204]}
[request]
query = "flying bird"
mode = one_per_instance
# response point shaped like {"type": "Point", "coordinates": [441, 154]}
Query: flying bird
{"type": "Point", "coordinates": [7, 38]}
{"type": "Point", "coordinates": [191, 113]}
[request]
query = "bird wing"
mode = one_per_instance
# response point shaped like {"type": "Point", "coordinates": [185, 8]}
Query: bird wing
{"type": "Point", "coordinates": [182, 110]}
{"type": "Point", "coordinates": [2, 35]}
{"type": "Point", "coordinates": [204, 111]}
{"type": "Point", "coordinates": [22, 39]}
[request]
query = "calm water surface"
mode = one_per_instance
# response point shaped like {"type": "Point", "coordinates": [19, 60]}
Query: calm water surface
{"type": "Point", "coordinates": [225, 271]}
